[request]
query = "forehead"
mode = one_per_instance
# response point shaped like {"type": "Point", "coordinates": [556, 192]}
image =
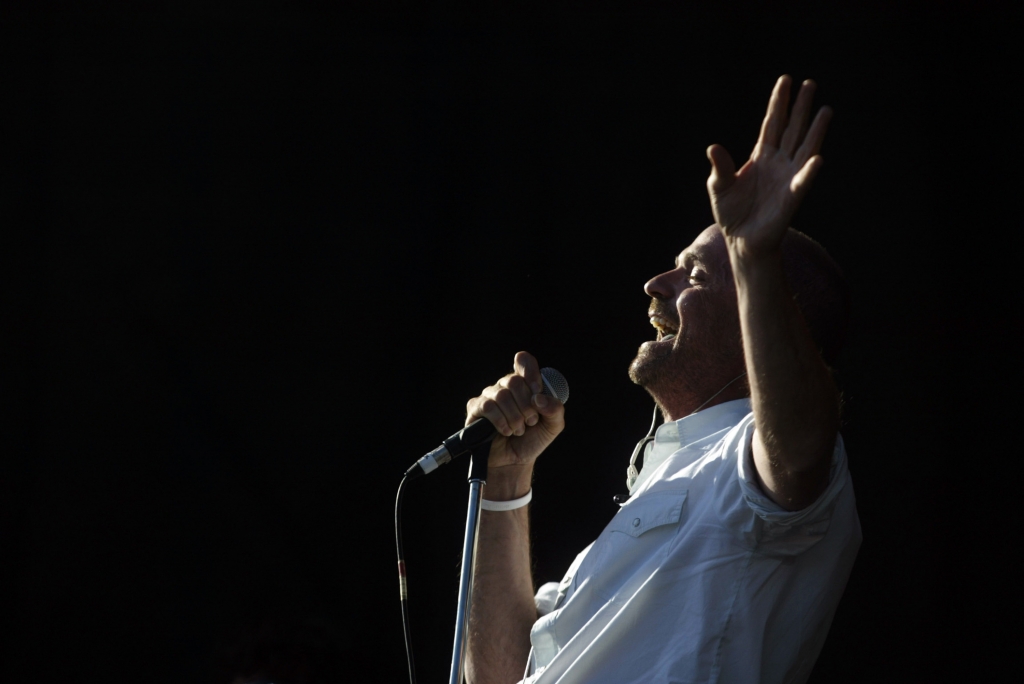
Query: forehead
{"type": "Point", "coordinates": [707, 249]}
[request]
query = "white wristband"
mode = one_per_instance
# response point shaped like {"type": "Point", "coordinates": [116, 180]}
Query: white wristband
{"type": "Point", "coordinates": [507, 505]}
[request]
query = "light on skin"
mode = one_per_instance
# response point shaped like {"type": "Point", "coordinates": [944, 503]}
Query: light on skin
{"type": "Point", "coordinates": [697, 350]}
{"type": "Point", "coordinates": [734, 312]}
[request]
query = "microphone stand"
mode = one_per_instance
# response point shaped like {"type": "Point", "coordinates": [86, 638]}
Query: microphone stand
{"type": "Point", "coordinates": [477, 479]}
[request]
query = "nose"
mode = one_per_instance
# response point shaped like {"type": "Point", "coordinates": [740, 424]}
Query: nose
{"type": "Point", "coordinates": [663, 286]}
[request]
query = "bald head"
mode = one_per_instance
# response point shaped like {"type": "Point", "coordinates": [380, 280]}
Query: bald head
{"type": "Point", "coordinates": [820, 291]}
{"type": "Point", "coordinates": [815, 279]}
{"type": "Point", "coordinates": [698, 349]}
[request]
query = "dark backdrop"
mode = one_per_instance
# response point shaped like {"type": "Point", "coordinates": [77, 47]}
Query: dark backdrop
{"type": "Point", "coordinates": [256, 263]}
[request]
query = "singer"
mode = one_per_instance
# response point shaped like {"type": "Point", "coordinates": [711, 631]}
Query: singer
{"type": "Point", "coordinates": [728, 559]}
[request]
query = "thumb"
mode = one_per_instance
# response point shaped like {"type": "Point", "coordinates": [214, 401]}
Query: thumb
{"type": "Point", "coordinates": [723, 169]}
{"type": "Point", "coordinates": [552, 411]}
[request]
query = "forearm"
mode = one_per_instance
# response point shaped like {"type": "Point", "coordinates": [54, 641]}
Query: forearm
{"type": "Point", "coordinates": [794, 398]}
{"type": "Point", "coordinates": [503, 609]}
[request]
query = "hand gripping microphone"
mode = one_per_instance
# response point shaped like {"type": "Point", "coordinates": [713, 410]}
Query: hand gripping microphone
{"type": "Point", "coordinates": [480, 430]}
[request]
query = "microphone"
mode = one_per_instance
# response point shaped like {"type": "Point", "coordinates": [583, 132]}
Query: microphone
{"type": "Point", "coordinates": [480, 430]}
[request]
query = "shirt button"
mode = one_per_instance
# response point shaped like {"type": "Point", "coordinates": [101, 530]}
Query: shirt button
{"type": "Point", "coordinates": [636, 522]}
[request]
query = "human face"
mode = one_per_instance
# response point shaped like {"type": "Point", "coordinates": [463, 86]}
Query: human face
{"type": "Point", "coordinates": [694, 312]}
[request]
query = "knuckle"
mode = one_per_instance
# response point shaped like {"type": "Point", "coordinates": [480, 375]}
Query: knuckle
{"type": "Point", "coordinates": [506, 399]}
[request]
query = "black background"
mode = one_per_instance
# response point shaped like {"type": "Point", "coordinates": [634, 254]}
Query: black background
{"type": "Point", "coordinates": [256, 261]}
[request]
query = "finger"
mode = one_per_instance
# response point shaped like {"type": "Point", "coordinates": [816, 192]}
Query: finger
{"type": "Point", "coordinates": [815, 136]}
{"type": "Point", "coordinates": [775, 118]}
{"type": "Point", "coordinates": [797, 127]}
{"type": "Point", "coordinates": [523, 395]}
{"type": "Point", "coordinates": [529, 369]}
{"type": "Point", "coordinates": [485, 407]}
{"type": "Point", "coordinates": [497, 405]}
{"type": "Point", "coordinates": [509, 407]}
{"type": "Point", "coordinates": [723, 169]}
{"type": "Point", "coordinates": [801, 182]}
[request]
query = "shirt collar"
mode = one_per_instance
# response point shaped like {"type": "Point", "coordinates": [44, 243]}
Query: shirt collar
{"type": "Point", "coordinates": [674, 435]}
{"type": "Point", "coordinates": [697, 426]}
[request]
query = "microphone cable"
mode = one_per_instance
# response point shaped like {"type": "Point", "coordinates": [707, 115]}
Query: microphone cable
{"type": "Point", "coordinates": [403, 585]}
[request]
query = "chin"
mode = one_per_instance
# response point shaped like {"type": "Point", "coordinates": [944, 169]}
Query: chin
{"type": "Point", "coordinates": [651, 363]}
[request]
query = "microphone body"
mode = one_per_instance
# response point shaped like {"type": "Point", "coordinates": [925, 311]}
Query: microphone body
{"type": "Point", "coordinates": [480, 431]}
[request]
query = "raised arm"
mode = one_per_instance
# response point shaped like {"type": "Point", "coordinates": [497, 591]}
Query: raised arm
{"type": "Point", "coordinates": [794, 399]}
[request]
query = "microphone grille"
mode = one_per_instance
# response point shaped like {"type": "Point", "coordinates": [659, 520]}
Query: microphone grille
{"type": "Point", "coordinates": [555, 384]}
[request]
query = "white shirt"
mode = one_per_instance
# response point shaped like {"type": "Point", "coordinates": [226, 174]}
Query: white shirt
{"type": "Point", "coordinates": [699, 577]}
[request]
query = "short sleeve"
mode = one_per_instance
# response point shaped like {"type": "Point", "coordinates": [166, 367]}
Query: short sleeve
{"type": "Point", "coordinates": [790, 532]}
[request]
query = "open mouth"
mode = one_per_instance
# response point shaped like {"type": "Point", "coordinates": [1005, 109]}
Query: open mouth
{"type": "Point", "coordinates": [666, 328]}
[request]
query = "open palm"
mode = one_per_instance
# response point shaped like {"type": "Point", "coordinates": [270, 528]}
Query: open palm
{"type": "Point", "coordinates": [755, 204]}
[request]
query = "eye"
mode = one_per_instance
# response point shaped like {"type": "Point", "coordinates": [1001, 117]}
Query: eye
{"type": "Point", "coordinates": [696, 275]}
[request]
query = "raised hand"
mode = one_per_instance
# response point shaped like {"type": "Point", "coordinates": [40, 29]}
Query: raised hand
{"type": "Point", "coordinates": [527, 421]}
{"type": "Point", "coordinates": [754, 205]}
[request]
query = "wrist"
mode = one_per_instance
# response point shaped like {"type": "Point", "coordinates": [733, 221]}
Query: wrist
{"type": "Point", "coordinates": [506, 483]}
{"type": "Point", "coordinates": [750, 265]}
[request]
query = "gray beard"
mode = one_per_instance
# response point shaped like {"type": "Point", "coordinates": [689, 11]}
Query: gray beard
{"type": "Point", "coordinates": [650, 366]}
{"type": "Point", "coordinates": [686, 374]}
{"type": "Point", "coordinates": [665, 373]}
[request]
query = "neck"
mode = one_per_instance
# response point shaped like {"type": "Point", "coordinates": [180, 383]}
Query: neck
{"type": "Point", "coordinates": [685, 402]}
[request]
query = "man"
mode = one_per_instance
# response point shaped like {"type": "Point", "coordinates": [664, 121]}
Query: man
{"type": "Point", "coordinates": [728, 560]}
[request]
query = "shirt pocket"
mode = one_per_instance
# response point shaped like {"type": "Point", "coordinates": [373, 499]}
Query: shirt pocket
{"type": "Point", "coordinates": [632, 545]}
{"type": "Point", "coordinates": [649, 511]}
